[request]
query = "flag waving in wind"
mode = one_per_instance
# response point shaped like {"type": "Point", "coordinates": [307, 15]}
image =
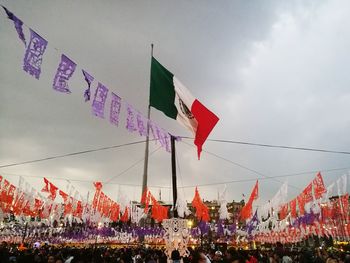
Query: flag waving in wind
{"type": "Point", "coordinates": [170, 96]}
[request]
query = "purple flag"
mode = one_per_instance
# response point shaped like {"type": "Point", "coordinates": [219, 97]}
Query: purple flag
{"type": "Point", "coordinates": [89, 79]}
{"type": "Point", "coordinates": [98, 105]}
{"type": "Point", "coordinates": [64, 72]}
{"type": "Point", "coordinates": [204, 227]}
{"type": "Point", "coordinates": [130, 121]}
{"type": "Point", "coordinates": [115, 109]}
{"type": "Point", "coordinates": [167, 141]}
{"type": "Point", "coordinates": [34, 54]}
{"type": "Point", "coordinates": [160, 135]}
{"type": "Point", "coordinates": [141, 120]}
{"type": "Point", "coordinates": [220, 228]}
{"type": "Point", "coordinates": [18, 24]}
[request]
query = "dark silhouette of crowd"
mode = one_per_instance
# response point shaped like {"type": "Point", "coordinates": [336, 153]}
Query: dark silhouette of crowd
{"type": "Point", "coordinates": [106, 254]}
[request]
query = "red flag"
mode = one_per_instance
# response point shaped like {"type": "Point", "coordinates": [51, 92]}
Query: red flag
{"type": "Point", "coordinates": [246, 211]}
{"type": "Point", "coordinates": [100, 203]}
{"type": "Point", "coordinates": [144, 196]}
{"type": "Point", "coordinates": [319, 188]}
{"type": "Point", "coordinates": [50, 188]}
{"type": "Point", "coordinates": [4, 190]}
{"type": "Point", "coordinates": [98, 187]}
{"type": "Point", "coordinates": [159, 212]}
{"type": "Point", "coordinates": [344, 200]}
{"type": "Point", "coordinates": [68, 206]}
{"type": "Point", "coordinates": [64, 196]}
{"type": "Point", "coordinates": [202, 211]}
{"type": "Point", "coordinates": [307, 194]}
{"type": "Point", "coordinates": [79, 210]}
{"type": "Point", "coordinates": [293, 208]}
{"type": "Point", "coordinates": [125, 216]}
{"type": "Point", "coordinates": [53, 191]}
{"type": "Point", "coordinates": [301, 204]}
{"type": "Point", "coordinates": [283, 212]}
{"type": "Point", "coordinates": [46, 187]}
{"type": "Point", "coordinates": [115, 212]}
{"type": "Point", "coordinates": [10, 195]}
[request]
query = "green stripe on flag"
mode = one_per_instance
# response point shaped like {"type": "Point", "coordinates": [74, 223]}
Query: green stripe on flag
{"type": "Point", "coordinates": [162, 93]}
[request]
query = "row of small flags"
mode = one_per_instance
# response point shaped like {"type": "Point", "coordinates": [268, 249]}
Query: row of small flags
{"type": "Point", "coordinates": [32, 61]}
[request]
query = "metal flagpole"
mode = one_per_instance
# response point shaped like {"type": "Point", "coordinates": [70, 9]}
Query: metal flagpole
{"type": "Point", "coordinates": [145, 166]}
{"type": "Point", "coordinates": [173, 171]}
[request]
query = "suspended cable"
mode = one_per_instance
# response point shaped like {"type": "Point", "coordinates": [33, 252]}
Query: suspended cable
{"type": "Point", "coordinates": [274, 146]}
{"type": "Point", "coordinates": [260, 178]}
{"type": "Point", "coordinates": [242, 166]}
{"type": "Point", "coordinates": [70, 154]}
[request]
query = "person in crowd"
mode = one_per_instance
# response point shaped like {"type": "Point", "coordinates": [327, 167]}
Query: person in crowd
{"type": "Point", "coordinates": [218, 257]}
{"type": "Point", "coordinates": [175, 256]}
{"type": "Point", "coordinates": [51, 259]}
{"type": "Point", "coordinates": [200, 257]}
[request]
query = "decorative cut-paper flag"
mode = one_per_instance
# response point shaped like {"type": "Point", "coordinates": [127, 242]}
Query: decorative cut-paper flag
{"type": "Point", "coordinates": [223, 212]}
{"type": "Point", "coordinates": [307, 194]}
{"type": "Point", "coordinates": [18, 24]}
{"type": "Point", "coordinates": [65, 70]}
{"type": "Point", "coordinates": [125, 217]}
{"type": "Point", "coordinates": [202, 211]}
{"type": "Point", "coordinates": [115, 109]}
{"type": "Point", "coordinates": [301, 204]}
{"type": "Point", "coordinates": [50, 188]}
{"type": "Point", "coordinates": [98, 105]}
{"type": "Point", "coordinates": [170, 96]}
{"type": "Point", "coordinates": [181, 206]}
{"type": "Point", "coordinates": [34, 54]}
{"type": "Point", "coordinates": [131, 124]}
{"type": "Point", "coordinates": [89, 79]}
{"type": "Point", "coordinates": [246, 211]}
{"type": "Point", "coordinates": [319, 188]}
{"type": "Point", "coordinates": [283, 211]}
{"type": "Point", "coordinates": [159, 212]}
{"type": "Point", "coordinates": [160, 135]}
{"type": "Point", "coordinates": [141, 124]}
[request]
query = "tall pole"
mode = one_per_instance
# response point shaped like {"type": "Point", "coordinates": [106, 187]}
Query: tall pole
{"type": "Point", "coordinates": [173, 171]}
{"type": "Point", "coordinates": [145, 166]}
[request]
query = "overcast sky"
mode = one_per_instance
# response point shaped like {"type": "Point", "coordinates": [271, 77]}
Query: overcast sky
{"type": "Point", "coordinates": [274, 72]}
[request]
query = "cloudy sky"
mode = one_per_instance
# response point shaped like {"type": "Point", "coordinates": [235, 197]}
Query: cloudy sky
{"type": "Point", "coordinates": [275, 72]}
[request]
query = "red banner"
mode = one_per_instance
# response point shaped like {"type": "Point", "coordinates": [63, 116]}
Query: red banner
{"type": "Point", "coordinates": [319, 188]}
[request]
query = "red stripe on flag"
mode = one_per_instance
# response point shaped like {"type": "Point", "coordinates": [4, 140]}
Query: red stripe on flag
{"type": "Point", "coordinates": [206, 122]}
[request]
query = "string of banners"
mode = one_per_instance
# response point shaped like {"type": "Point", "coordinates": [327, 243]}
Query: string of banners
{"type": "Point", "coordinates": [32, 61]}
{"type": "Point", "coordinates": [326, 215]}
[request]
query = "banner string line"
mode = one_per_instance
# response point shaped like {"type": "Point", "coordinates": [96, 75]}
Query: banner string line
{"type": "Point", "coordinates": [71, 154]}
{"type": "Point", "coordinates": [272, 146]}
{"type": "Point", "coordinates": [244, 167]}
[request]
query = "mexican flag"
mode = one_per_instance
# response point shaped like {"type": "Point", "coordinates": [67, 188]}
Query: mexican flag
{"type": "Point", "coordinates": [171, 97]}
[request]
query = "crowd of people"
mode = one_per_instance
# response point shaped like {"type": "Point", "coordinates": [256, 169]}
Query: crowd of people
{"type": "Point", "coordinates": [68, 254]}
